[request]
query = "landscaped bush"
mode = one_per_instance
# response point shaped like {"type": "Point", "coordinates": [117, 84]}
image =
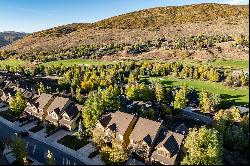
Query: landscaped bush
{"type": "Point", "coordinates": [2, 146]}
{"type": "Point", "coordinates": [50, 128]}
{"type": "Point", "coordinates": [36, 128]}
{"type": "Point", "coordinates": [10, 116]}
{"type": "Point", "coordinates": [72, 142]}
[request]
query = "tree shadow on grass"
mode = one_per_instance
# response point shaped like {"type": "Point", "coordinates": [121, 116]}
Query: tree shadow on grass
{"type": "Point", "coordinates": [167, 82]}
{"type": "Point", "coordinates": [233, 99]}
{"type": "Point", "coordinates": [227, 96]}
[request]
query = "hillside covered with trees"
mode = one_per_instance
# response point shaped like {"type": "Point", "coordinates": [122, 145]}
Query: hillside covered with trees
{"type": "Point", "coordinates": [170, 23]}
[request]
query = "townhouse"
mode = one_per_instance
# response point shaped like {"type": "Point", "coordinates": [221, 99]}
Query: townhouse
{"type": "Point", "coordinates": [38, 105]}
{"type": "Point", "coordinates": [117, 125]}
{"type": "Point", "coordinates": [70, 116]}
{"type": "Point", "coordinates": [56, 108]}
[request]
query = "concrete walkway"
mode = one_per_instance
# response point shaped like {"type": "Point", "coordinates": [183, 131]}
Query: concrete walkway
{"type": "Point", "coordinates": [38, 136]}
{"type": "Point", "coordinates": [11, 158]}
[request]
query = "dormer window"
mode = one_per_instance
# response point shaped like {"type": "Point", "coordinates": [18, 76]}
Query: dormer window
{"type": "Point", "coordinates": [66, 118]}
{"type": "Point", "coordinates": [54, 116]}
{"type": "Point", "coordinates": [163, 153]}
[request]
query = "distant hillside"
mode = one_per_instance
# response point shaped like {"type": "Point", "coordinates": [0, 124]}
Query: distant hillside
{"type": "Point", "coordinates": [144, 25]}
{"type": "Point", "coordinates": [8, 37]}
{"type": "Point", "coordinates": [164, 16]}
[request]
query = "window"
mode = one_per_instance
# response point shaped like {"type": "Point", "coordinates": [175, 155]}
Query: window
{"type": "Point", "coordinates": [163, 153]}
{"type": "Point", "coordinates": [66, 118]}
{"type": "Point", "coordinates": [39, 110]}
{"type": "Point", "coordinates": [54, 116]}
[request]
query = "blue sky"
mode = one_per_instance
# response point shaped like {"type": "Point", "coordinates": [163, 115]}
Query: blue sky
{"type": "Point", "coordinates": [35, 15]}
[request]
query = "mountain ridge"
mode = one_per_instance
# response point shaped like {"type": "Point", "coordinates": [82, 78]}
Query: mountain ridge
{"type": "Point", "coordinates": [142, 25]}
{"type": "Point", "coordinates": [7, 37]}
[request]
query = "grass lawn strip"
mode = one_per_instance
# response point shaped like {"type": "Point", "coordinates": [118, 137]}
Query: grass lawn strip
{"type": "Point", "coordinates": [240, 94]}
{"type": "Point", "coordinates": [72, 142]}
{"type": "Point", "coordinates": [36, 128]}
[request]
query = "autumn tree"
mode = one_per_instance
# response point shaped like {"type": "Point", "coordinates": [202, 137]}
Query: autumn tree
{"type": "Point", "coordinates": [98, 137]}
{"type": "Point", "coordinates": [98, 102]}
{"type": "Point", "coordinates": [50, 160]}
{"type": "Point", "coordinates": [181, 98]}
{"type": "Point", "coordinates": [42, 88]}
{"type": "Point", "coordinates": [132, 78]}
{"type": "Point", "coordinates": [214, 75]}
{"type": "Point", "coordinates": [159, 92]}
{"type": "Point", "coordinates": [204, 147]}
{"type": "Point", "coordinates": [79, 96]}
{"type": "Point", "coordinates": [17, 103]}
{"type": "Point", "coordinates": [235, 137]}
{"type": "Point", "coordinates": [115, 155]}
{"type": "Point", "coordinates": [140, 92]}
{"type": "Point", "coordinates": [19, 151]}
{"type": "Point", "coordinates": [209, 101]}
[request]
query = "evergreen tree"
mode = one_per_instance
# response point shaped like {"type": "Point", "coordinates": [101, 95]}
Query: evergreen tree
{"type": "Point", "coordinates": [17, 103]}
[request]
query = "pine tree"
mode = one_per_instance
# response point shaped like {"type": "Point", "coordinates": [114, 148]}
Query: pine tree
{"type": "Point", "coordinates": [17, 103]}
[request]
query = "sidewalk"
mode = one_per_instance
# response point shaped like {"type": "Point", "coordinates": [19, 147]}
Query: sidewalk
{"type": "Point", "coordinates": [54, 144]}
{"type": "Point", "coordinates": [69, 151]}
{"type": "Point", "coordinates": [11, 158]}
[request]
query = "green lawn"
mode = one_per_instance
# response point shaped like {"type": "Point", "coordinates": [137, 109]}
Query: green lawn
{"type": "Point", "coordinates": [227, 63]}
{"type": "Point", "coordinates": [240, 64]}
{"type": "Point", "coordinates": [237, 64]}
{"type": "Point", "coordinates": [232, 63]}
{"type": "Point", "coordinates": [12, 62]}
{"type": "Point", "coordinates": [71, 62]}
{"type": "Point", "coordinates": [72, 142]}
{"type": "Point", "coordinates": [241, 95]}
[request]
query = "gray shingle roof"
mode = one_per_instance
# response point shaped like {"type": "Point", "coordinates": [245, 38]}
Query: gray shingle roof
{"type": "Point", "coordinates": [146, 130]}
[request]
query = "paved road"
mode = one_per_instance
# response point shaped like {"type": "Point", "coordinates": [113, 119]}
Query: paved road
{"type": "Point", "coordinates": [38, 150]}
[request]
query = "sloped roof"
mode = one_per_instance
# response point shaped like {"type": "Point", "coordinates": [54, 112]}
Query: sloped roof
{"type": "Point", "coordinates": [171, 143]}
{"type": "Point", "coordinates": [58, 104]}
{"type": "Point", "coordinates": [146, 130]}
{"type": "Point", "coordinates": [117, 121]}
{"type": "Point", "coordinates": [42, 100]}
{"type": "Point", "coordinates": [72, 110]}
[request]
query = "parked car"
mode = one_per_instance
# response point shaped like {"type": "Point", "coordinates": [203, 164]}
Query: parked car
{"type": "Point", "coordinates": [24, 133]}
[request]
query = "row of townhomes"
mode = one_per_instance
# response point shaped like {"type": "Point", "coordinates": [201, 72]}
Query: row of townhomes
{"type": "Point", "coordinates": [144, 138]}
{"type": "Point", "coordinates": [60, 111]}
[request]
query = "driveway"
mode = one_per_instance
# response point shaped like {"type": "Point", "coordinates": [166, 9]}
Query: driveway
{"type": "Point", "coordinates": [38, 150]}
{"type": "Point", "coordinates": [29, 125]}
{"type": "Point", "coordinates": [58, 135]}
